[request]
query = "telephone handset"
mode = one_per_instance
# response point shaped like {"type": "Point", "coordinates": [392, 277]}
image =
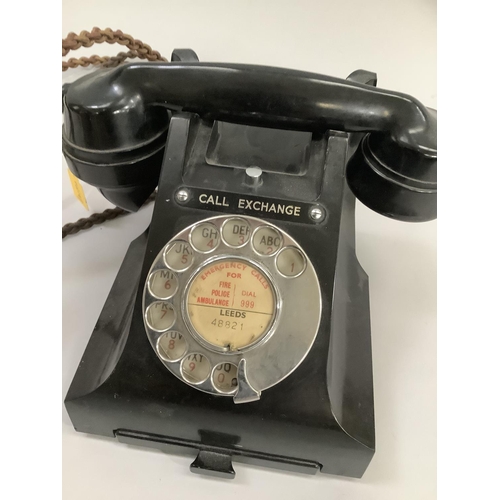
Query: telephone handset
{"type": "Point", "coordinates": [119, 118]}
{"type": "Point", "coordinates": [238, 325]}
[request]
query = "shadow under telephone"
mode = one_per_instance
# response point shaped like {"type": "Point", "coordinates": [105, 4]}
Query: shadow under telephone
{"type": "Point", "coordinates": [238, 326]}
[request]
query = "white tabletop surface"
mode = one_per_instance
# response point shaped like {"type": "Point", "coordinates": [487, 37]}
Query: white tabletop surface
{"type": "Point", "coordinates": [397, 40]}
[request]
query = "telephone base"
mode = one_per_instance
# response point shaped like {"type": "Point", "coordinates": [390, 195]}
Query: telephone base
{"type": "Point", "coordinates": [319, 417]}
{"type": "Point", "coordinates": [121, 390]}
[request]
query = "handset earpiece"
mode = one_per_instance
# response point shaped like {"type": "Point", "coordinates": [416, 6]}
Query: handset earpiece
{"type": "Point", "coordinates": [114, 141]}
{"type": "Point", "coordinates": [113, 138]}
{"type": "Point", "coordinates": [393, 180]}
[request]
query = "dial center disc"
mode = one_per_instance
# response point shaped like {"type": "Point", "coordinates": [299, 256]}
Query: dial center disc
{"type": "Point", "coordinates": [231, 304]}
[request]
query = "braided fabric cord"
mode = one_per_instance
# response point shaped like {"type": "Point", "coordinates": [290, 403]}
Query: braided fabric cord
{"type": "Point", "coordinates": [137, 49]}
{"type": "Point", "coordinates": [98, 218]}
{"type": "Point", "coordinates": [97, 35]}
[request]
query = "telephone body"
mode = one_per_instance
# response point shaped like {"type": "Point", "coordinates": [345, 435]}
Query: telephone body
{"type": "Point", "coordinates": [238, 326]}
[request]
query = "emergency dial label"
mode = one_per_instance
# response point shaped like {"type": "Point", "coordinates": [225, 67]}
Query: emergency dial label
{"type": "Point", "coordinates": [231, 304]}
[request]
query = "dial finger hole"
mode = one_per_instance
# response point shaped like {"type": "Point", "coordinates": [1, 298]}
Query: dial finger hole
{"type": "Point", "coordinates": [225, 378]}
{"type": "Point", "coordinates": [195, 368]}
{"type": "Point", "coordinates": [236, 232]}
{"type": "Point", "coordinates": [163, 284]}
{"type": "Point", "coordinates": [178, 255]}
{"type": "Point", "coordinates": [266, 240]}
{"type": "Point", "coordinates": [160, 316]}
{"type": "Point", "coordinates": [290, 262]}
{"type": "Point", "coordinates": [205, 237]}
{"type": "Point", "coordinates": [171, 346]}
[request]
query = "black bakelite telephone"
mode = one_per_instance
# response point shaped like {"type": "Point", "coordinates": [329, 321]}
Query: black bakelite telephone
{"type": "Point", "coordinates": [238, 325]}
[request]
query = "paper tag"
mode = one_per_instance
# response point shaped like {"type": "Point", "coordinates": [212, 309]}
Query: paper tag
{"type": "Point", "coordinates": [77, 189]}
